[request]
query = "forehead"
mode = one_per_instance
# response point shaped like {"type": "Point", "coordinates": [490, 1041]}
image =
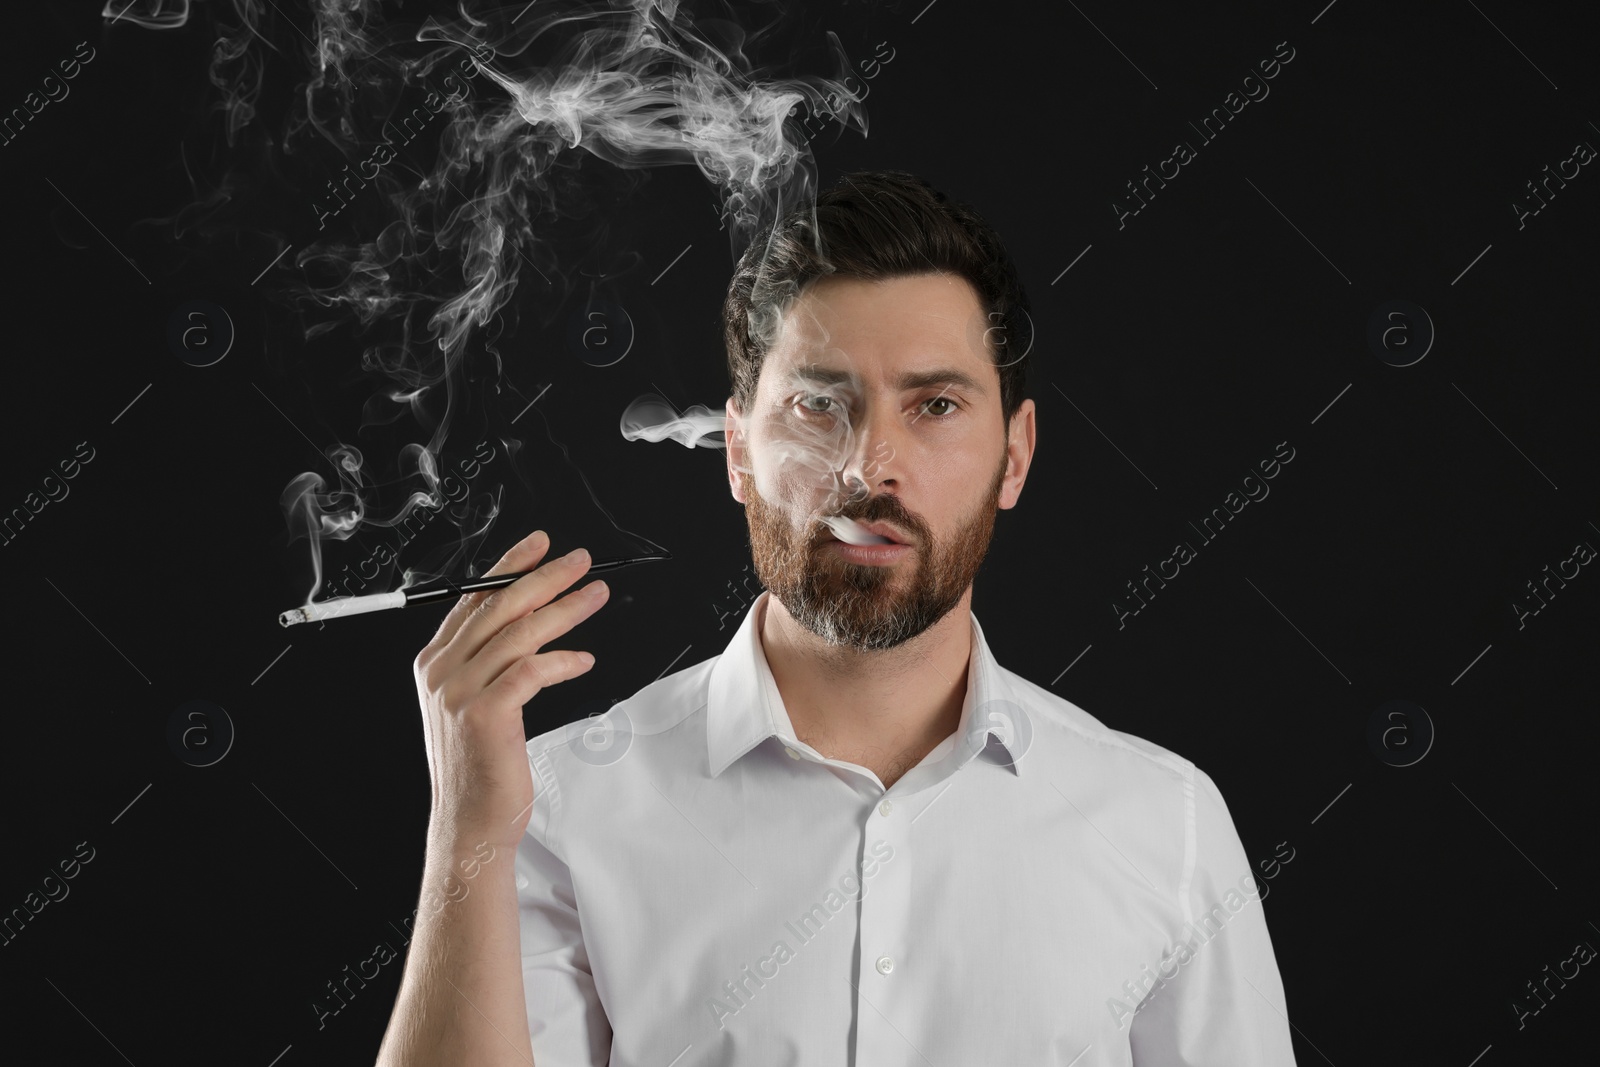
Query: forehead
{"type": "Point", "coordinates": [869, 325]}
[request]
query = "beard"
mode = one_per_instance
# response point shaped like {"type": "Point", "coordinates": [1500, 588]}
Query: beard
{"type": "Point", "coordinates": [858, 606]}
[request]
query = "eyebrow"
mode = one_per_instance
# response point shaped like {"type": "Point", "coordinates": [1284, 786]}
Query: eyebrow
{"type": "Point", "coordinates": [908, 380]}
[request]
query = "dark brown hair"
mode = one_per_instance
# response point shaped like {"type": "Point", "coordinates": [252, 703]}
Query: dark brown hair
{"type": "Point", "coordinates": [873, 225]}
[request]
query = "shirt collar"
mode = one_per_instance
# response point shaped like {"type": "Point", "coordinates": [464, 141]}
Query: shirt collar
{"type": "Point", "coordinates": [744, 706]}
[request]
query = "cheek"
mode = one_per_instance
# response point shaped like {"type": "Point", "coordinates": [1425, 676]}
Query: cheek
{"type": "Point", "coordinates": [797, 467]}
{"type": "Point", "coordinates": [784, 489]}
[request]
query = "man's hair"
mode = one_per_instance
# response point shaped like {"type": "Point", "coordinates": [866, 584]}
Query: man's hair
{"type": "Point", "coordinates": [874, 225]}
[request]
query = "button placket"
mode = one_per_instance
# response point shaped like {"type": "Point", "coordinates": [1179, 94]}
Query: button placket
{"type": "Point", "coordinates": [885, 904]}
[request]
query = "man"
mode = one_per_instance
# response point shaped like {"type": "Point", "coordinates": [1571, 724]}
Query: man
{"type": "Point", "coordinates": [852, 837]}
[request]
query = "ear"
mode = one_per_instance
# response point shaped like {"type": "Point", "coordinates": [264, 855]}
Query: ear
{"type": "Point", "coordinates": [1019, 452]}
{"type": "Point", "coordinates": [736, 451]}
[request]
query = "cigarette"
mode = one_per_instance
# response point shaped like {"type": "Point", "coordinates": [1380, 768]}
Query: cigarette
{"type": "Point", "coordinates": [442, 590]}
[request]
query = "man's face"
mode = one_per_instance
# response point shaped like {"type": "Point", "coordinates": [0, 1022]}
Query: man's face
{"type": "Point", "coordinates": [837, 430]}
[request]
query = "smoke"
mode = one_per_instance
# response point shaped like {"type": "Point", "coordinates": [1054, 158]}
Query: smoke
{"type": "Point", "coordinates": [151, 14]}
{"type": "Point", "coordinates": [449, 158]}
{"type": "Point", "coordinates": [651, 418]}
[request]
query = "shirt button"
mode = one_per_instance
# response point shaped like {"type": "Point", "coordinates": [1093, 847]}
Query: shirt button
{"type": "Point", "coordinates": [885, 964]}
{"type": "Point", "coordinates": [792, 753]}
{"type": "Point", "coordinates": [886, 807]}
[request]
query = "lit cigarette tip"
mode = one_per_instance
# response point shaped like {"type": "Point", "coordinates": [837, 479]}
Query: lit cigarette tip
{"type": "Point", "coordinates": [346, 605]}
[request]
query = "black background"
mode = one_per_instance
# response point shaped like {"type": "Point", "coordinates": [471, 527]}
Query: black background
{"type": "Point", "coordinates": [1231, 314]}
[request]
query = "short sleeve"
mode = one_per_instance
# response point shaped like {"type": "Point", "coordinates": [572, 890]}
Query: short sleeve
{"type": "Point", "coordinates": [1217, 999]}
{"type": "Point", "coordinates": [566, 1022]}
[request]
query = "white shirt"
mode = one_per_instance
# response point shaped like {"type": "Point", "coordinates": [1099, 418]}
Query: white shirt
{"type": "Point", "coordinates": [698, 887]}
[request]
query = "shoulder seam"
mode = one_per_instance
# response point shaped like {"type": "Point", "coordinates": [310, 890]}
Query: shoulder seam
{"type": "Point", "coordinates": [1188, 843]}
{"type": "Point", "coordinates": [1173, 762]}
{"type": "Point", "coordinates": [545, 774]}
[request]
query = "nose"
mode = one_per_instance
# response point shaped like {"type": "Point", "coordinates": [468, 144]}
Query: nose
{"type": "Point", "coordinates": [871, 462]}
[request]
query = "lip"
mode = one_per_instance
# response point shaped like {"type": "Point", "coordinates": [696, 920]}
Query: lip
{"type": "Point", "coordinates": [871, 555]}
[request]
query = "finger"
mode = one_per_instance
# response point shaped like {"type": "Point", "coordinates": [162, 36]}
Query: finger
{"type": "Point", "coordinates": [525, 637]}
{"type": "Point", "coordinates": [524, 555]}
{"type": "Point", "coordinates": [522, 680]}
{"type": "Point", "coordinates": [507, 605]}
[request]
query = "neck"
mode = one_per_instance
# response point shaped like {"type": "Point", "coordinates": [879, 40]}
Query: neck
{"type": "Point", "coordinates": [842, 702]}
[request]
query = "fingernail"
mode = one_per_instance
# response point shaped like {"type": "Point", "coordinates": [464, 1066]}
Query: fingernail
{"type": "Point", "coordinates": [577, 555]}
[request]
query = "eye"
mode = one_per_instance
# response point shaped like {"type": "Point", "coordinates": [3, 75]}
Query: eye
{"type": "Point", "coordinates": [805, 401]}
{"type": "Point", "coordinates": [819, 404]}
